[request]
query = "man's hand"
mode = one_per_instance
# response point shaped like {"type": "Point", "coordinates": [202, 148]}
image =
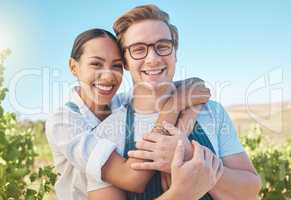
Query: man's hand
{"type": "Point", "coordinates": [160, 149]}
{"type": "Point", "coordinates": [194, 178]}
{"type": "Point", "coordinates": [165, 181]}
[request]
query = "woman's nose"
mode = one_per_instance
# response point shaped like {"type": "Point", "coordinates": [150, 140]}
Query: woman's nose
{"type": "Point", "coordinates": [106, 75]}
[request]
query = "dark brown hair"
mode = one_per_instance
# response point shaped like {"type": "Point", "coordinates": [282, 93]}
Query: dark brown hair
{"type": "Point", "coordinates": [84, 37]}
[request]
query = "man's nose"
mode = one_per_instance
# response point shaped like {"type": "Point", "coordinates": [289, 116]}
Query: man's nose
{"type": "Point", "coordinates": [152, 56]}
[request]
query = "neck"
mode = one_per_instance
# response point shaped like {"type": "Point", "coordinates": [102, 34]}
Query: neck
{"type": "Point", "coordinates": [100, 111]}
{"type": "Point", "coordinates": [148, 99]}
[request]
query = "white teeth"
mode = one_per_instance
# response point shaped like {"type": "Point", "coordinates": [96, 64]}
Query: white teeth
{"type": "Point", "coordinates": [153, 72]}
{"type": "Point", "coordinates": [105, 88]}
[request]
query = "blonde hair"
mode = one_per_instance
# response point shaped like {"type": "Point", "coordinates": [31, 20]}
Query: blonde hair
{"type": "Point", "coordinates": [141, 13]}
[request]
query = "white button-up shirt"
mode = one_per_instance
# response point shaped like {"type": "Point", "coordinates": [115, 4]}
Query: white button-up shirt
{"type": "Point", "coordinates": [78, 154]}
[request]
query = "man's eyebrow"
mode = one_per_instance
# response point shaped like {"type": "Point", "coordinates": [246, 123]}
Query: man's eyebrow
{"type": "Point", "coordinates": [97, 57]}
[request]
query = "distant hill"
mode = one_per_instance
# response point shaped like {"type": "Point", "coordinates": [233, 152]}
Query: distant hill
{"type": "Point", "coordinates": [274, 119]}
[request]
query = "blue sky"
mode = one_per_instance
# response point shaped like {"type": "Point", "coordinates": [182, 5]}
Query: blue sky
{"type": "Point", "coordinates": [241, 48]}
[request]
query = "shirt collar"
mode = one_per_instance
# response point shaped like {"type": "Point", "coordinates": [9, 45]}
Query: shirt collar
{"type": "Point", "coordinates": [87, 114]}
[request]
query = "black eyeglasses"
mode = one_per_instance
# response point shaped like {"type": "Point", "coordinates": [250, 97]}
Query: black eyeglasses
{"type": "Point", "coordinates": [140, 50]}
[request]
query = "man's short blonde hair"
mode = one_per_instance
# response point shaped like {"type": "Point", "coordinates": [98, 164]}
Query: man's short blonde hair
{"type": "Point", "coordinates": [141, 13]}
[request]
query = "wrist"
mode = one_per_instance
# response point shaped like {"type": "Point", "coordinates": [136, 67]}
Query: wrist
{"type": "Point", "coordinates": [179, 100]}
{"type": "Point", "coordinates": [174, 193]}
{"type": "Point", "coordinates": [169, 105]}
{"type": "Point", "coordinates": [168, 195]}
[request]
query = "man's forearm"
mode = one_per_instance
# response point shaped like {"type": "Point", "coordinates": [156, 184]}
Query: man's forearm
{"type": "Point", "coordinates": [236, 184]}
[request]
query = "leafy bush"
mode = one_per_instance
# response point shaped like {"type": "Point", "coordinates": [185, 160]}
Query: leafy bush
{"type": "Point", "coordinates": [18, 178]}
{"type": "Point", "coordinates": [273, 163]}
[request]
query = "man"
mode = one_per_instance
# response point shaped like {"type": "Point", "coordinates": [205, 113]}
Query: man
{"type": "Point", "coordinates": [150, 43]}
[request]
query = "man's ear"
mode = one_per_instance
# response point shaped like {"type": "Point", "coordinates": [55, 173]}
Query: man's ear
{"type": "Point", "coordinates": [74, 66]}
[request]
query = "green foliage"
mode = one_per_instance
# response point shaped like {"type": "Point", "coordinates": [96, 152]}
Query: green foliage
{"type": "Point", "coordinates": [18, 178]}
{"type": "Point", "coordinates": [273, 163]}
{"type": "Point", "coordinates": [40, 140]}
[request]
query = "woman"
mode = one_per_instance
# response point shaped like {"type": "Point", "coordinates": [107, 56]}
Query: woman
{"type": "Point", "coordinates": [96, 63]}
{"type": "Point", "coordinates": [78, 152]}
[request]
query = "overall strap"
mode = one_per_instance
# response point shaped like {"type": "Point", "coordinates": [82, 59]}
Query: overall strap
{"type": "Point", "coordinates": [199, 135]}
{"type": "Point", "coordinates": [129, 131]}
{"type": "Point", "coordinates": [153, 188]}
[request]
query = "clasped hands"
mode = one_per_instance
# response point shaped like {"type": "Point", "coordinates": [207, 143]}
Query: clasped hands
{"type": "Point", "coordinates": [199, 166]}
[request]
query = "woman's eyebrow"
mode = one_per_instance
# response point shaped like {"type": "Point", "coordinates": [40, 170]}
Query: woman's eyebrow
{"type": "Point", "coordinates": [118, 60]}
{"type": "Point", "coordinates": [97, 57]}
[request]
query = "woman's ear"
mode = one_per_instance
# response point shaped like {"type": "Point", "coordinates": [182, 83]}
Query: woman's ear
{"type": "Point", "coordinates": [74, 66]}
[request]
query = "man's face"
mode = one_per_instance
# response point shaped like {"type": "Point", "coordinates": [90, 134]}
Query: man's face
{"type": "Point", "coordinates": [153, 69]}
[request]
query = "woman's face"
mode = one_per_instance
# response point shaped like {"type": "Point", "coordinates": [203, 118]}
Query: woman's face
{"type": "Point", "coordinates": [99, 70]}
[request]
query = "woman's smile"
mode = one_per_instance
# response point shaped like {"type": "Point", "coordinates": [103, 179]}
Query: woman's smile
{"type": "Point", "coordinates": [104, 89]}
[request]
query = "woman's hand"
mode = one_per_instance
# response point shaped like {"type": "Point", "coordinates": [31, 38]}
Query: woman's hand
{"type": "Point", "coordinates": [191, 92]}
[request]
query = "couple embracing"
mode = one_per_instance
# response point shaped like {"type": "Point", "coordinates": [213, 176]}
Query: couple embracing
{"type": "Point", "coordinates": [162, 140]}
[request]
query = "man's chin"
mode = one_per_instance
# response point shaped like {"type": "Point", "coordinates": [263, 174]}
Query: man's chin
{"type": "Point", "coordinates": [150, 83]}
{"type": "Point", "coordinates": [161, 84]}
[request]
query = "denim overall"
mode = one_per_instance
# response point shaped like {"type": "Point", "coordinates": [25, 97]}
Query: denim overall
{"type": "Point", "coordinates": [154, 187]}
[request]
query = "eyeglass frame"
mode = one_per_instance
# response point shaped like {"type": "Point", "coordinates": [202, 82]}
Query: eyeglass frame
{"type": "Point", "coordinates": [149, 45]}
